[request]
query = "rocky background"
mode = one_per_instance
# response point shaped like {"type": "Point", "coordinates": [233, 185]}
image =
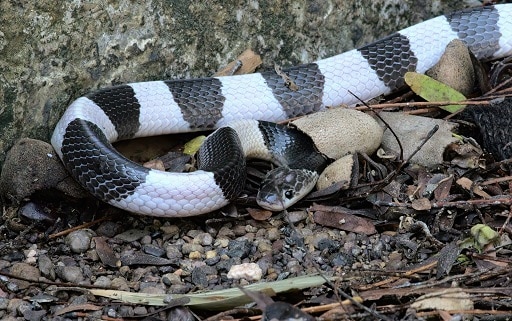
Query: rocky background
{"type": "Point", "coordinates": [52, 52]}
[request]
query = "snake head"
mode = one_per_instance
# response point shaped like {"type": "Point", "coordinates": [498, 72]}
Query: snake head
{"type": "Point", "coordinates": [282, 187]}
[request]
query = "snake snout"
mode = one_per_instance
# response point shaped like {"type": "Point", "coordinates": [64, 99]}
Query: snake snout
{"type": "Point", "coordinates": [282, 187]}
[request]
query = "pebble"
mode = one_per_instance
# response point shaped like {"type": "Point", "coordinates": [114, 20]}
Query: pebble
{"type": "Point", "coordinates": [170, 230]}
{"type": "Point", "coordinates": [109, 229]}
{"type": "Point", "coordinates": [153, 250]}
{"type": "Point", "coordinates": [171, 278]}
{"type": "Point", "coordinates": [211, 254]}
{"type": "Point", "coordinates": [46, 266]}
{"type": "Point", "coordinates": [120, 284]}
{"type": "Point", "coordinates": [26, 271]}
{"type": "Point", "coordinates": [195, 255]}
{"type": "Point", "coordinates": [132, 235]}
{"type": "Point", "coordinates": [264, 246]}
{"type": "Point", "coordinates": [239, 248]}
{"type": "Point", "coordinates": [247, 271]}
{"type": "Point", "coordinates": [71, 274]}
{"type": "Point", "coordinates": [187, 248]}
{"type": "Point", "coordinates": [126, 311]}
{"type": "Point", "coordinates": [273, 234]}
{"type": "Point", "coordinates": [140, 310]}
{"type": "Point", "coordinates": [102, 281]}
{"type": "Point", "coordinates": [145, 240]}
{"type": "Point", "coordinates": [173, 252]}
{"type": "Point", "coordinates": [79, 241]}
{"type": "Point", "coordinates": [221, 242]}
{"type": "Point", "coordinates": [204, 239]}
{"type": "Point", "coordinates": [198, 277]}
{"type": "Point", "coordinates": [225, 231]}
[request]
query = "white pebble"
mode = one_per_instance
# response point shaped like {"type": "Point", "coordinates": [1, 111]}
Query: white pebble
{"type": "Point", "coordinates": [248, 271]}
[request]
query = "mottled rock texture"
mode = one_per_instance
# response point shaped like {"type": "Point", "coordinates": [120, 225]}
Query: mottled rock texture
{"type": "Point", "coordinates": [52, 52]}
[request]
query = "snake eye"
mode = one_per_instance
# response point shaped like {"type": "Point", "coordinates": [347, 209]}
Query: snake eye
{"type": "Point", "coordinates": [288, 194]}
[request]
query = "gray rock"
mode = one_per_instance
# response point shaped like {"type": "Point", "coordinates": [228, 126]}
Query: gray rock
{"type": "Point", "coordinates": [71, 274]}
{"type": "Point", "coordinates": [239, 248]}
{"type": "Point", "coordinates": [46, 266]}
{"type": "Point", "coordinates": [79, 241]}
{"type": "Point", "coordinates": [32, 165]}
{"type": "Point", "coordinates": [103, 281]}
{"type": "Point", "coordinates": [26, 271]}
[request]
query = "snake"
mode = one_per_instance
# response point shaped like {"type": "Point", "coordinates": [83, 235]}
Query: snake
{"type": "Point", "coordinates": [243, 111]}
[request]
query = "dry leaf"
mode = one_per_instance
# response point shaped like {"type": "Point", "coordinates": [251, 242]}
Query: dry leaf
{"type": "Point", "coordinates": [468, 184]}
{"type": "Point", "coordinates": [341, 218]}
{"type": "Point", "coordinates": [446, 299]}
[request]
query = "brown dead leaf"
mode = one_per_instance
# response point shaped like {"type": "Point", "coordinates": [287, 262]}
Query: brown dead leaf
{"type": "Point", "coordinates": [343, 219]}
{"type": "Point", "coordinates": [246, 63]}
{"type": "Point", "coordinates": [421, 204]}
{"type": "Point", "coordinates": [445, 299]}
{"type": "Point", "coordinates": [105, 253]}
{"type": "Point", "coordinates": [78, 307]}
{"type": "Point", "coordinates": [447, 258]}
{"type": "Point", "coordinates": [443, 188]}
{"type": "Point", "coordinates": [468, 185]}
{"type": "Point", "coordinates": [259, 214]}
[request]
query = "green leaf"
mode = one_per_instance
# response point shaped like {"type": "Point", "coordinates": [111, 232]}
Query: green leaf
{"type": "Point", "coordinates": [433, 90]}
{"type": "Point", "coordinates": [192, 146]}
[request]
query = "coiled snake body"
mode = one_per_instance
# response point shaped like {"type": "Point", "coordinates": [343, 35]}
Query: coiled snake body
{"type": "Point", "coordinates": [83, 136]}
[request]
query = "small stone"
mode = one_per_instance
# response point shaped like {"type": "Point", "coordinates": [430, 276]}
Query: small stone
{"type": "Point", "coordinates": [173, 252]}
{"type": "Point", "coordinates": [221, 242]}
{"type": "Point", "coordinates": [103, 281]}
{"type": "Point", "coordinates": [187, 248]}
{"type": "Point", "coordinates": [71, 274]}
{"type": "Point", "coordinates": [264, 246]}
{"type": "Point", "coordinates": [26, 271]}
{"type": "Point", "coordinates": [79, 241]}
{"type": "Point", "coordinates": [455, 68]}
{"type": "Point", "coordinates": [132, 235]}
{"type": "Point", "coordinates": [170, 230]}
{"type": "Point", "coordinates": [4, 302]}
{"type": "Point", "coordinates": [195, 255]}
{"type": "Point", "coordinates": [225, 231]}
{"type": "Point", "coordinates": [198, 277]}
{"type": "Point", "coordinates": [146, 239]}
{"type": "Point", "coordinates": [109, 229]}
{"type": "Point", "coordinates": [126, 311]}
{"type": "Point", "coordinates": [120, 284]}
{"type": "Point", "coordinates": [239, 248]}
{"type": "Point", "coordinates": [211, 254]}
{"type": "Point", "coordinates": [153, 250]}
{"type": "Point", "coordinates": [171, 278]}
{"type": "Point", "coordinates": [247, 271]}
{"type": "Point", "coordinates": [152, 289]}
{"type": "Point", "coordinates": [273, 234]}
{"type": "Point", "coordinates": [46, 266]}
{"type": "Point", "coordinates": [204, 239]}
{"type": "Point", "coordinates": [239, 230]}
{"type": "Point", "coordinates": [140, 310]}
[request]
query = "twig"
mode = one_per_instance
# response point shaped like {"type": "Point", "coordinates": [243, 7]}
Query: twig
{"type": "Point", "coordinates": [79, 227]}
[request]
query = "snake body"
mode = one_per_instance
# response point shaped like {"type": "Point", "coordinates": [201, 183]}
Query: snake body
{"type": "Point", "coordinates": [83, 136]}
